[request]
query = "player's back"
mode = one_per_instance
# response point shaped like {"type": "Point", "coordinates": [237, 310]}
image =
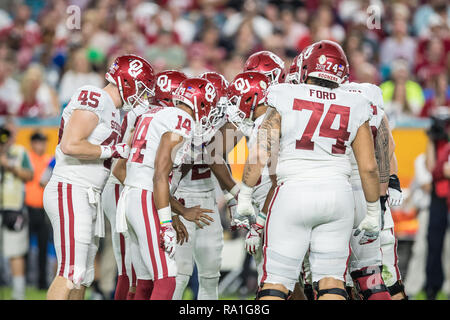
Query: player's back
{"type": "Point", "coordinates": [89, 173]}
{"type": "Point", "coordinates": [318, 125]}
{"type": "Point", "coordinates": [150, 128]}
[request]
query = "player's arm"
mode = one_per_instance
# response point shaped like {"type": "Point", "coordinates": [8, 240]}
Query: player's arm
{"type": "Point", "coordinates": [363, 149]}
{"type": "Point", "coordinates": [229, 136]}
{"type": "Point", "coordinates": [224, 177]}
{"type": "Point", "coordinates": [120, 170]}
{"type": "Point", "coordinates": [76, 132]}
{"type": "Point", "coordinates": [382, 154]}
{"type": "Point", "coordinates": [170, 143]}
{"type": "Point", "coordinates": [194, 214]}
{"type": "Point", "coordinates": [268, 139]}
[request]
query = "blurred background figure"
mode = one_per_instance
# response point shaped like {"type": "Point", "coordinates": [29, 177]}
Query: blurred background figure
{"type": "Point", "coordinates": [401, 95]}
{"type": "Point", "coordinates": [39, 225]}
{"type": "Point", "coordinates": [39, 99]}
{"type": "Point", "coordinates": [437, 162]}
{"type": "Point", "coordinates": [15, 171]}
{"type": "Point", "coordinates": [79, 73]}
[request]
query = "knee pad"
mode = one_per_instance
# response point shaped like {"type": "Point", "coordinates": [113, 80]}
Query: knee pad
{"type": "Point", "coordinates": [337, 291]}
{"type": "Point", "coordinates": [370, 284]}
{"type": "Point", "coordinates": [273, 293]}
{"type": "Point", "coordinates": [396, 288]}
{"type": "Point", "coordinates": [208, 288]}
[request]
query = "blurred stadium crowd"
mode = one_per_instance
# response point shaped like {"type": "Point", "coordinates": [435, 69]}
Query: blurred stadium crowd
{"type": "Point", "coordinates": [48, 49]}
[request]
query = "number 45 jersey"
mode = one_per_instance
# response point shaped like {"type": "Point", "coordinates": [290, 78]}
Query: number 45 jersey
{"type": "Point", "coordinates": [318, 125]}
{"type": "Point", "coordinates": [89, 173]}
{"type": "Point", "coordinates": [150, 128]}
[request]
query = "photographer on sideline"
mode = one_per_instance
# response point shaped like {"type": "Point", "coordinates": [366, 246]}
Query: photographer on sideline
{"type": "Point", "coordinates": [437, 153]}
{"type": "Point", "coordinates": [15, 170]}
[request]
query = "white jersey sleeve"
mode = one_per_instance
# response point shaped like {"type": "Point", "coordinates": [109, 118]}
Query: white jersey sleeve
{"type": "Point", "coordinates": [318, 126]}
{"type": "Point", "coordinates": [150, 128]}
{"type": "Point", "coordinates": [89, 173]}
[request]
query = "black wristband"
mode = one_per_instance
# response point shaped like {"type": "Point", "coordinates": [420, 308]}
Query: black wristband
{"type": "Point", "coordinates": [383, 200]}
{"type": "Point", "coordinates": [394, 182]}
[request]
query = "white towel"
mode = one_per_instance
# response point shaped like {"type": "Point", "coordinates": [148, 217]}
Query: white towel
{"type": "Point", "coordinates": [96, 199]}
{"type": "Point", "coordinates": [121, 219]}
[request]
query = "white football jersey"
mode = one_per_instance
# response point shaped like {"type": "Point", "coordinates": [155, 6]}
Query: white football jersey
{"type": "Point", "coordinates": [128, 124]}
{"type": "Point", "coordinates": [89, 173]}
{"type": "Point", "coordinates": [318, 125]}
{"type": "Point", "coordinates": [150, 128]}
{"type": "Point", "coordinates": [374, 95]}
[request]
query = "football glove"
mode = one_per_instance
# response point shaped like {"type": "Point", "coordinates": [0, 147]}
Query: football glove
{"type": "Point", "coordinates": [370, 225]}
{"type": "Point", "coordinates": [254, 236]}
{"type": "Point", "coordinates": [394, 191]}
{"type": "Point", "coordinates": [120, 150]}
{"type": "Point", "coordinates": [168, 238]}
{"type": "Point", "coordinates": [245, 213]}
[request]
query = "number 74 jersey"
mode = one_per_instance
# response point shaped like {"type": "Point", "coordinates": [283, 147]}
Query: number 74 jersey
{"type": "Point", "coordinates": [89, 173]}
{"type": "Point", "coordinates": [318, 126]}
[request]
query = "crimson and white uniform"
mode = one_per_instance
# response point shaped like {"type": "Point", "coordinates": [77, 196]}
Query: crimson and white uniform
{"type": "Point", "coordinates": [384, 249]}
{"type": "Point", "coordinates": [313, 205]}
{"type": "Point", "coordinates": [136, 201]}
{"type": "Point", "coordinates": [205, 245]}
{"type": "Point", "coordinates": [110, 197]}
{"type": "Point", "coordinates": [368, 254]}
{"type": "Point", "coordinates": [72, 197]}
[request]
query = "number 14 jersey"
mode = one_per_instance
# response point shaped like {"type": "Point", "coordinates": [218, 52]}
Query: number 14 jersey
{"type": "Point", "coordinates": [150, 128]}
{"type": "Point", "coordinates": [89, 173]}
{"type": "Point", "coordinates": [318, 125]}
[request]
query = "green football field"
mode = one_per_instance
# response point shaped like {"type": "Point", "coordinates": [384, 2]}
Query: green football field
{"type": "Point", "coordinates": [34, 294]}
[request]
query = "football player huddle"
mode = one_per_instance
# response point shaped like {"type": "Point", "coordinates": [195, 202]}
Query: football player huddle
{"type": "Point", "coordinates": [145, 152]}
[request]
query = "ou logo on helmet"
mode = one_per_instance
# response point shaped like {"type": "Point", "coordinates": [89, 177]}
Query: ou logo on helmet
{"type": "Point", "coordinates": [135, 68]}
{"type": "Point", "coordinates": [210, 92]}
{"type": "Point", "coordinates": [308, 52]}
{"type": "Point", "coordinates": [164, 83]}
{"type": "Point", "coordinates": [242, 85]}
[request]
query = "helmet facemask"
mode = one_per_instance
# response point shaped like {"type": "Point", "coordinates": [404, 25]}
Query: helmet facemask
{"type": "Point", "coordinates": [142, 96]}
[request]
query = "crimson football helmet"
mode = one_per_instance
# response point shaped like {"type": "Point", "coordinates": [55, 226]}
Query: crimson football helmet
{"type": "Point", "coordinates": [200, 95]}
{"type": "Point", "coordinates": [220, 84]}
{"type": "Point", "coordinates": [166, 83]}
{"type": "Point", "coordinates": [245, 93]}
{"type": "Point", "coordinates": [269, 64]}
{"type": "Point", "coordinates": [324, 59]}
{"type": "Point", "coordinates": [134, 77]}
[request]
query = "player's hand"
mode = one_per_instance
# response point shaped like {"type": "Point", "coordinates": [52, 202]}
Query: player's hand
{"type": "Point", "coordinates": [394, 191]}
{"type": "Point", "coordinates": [168, 238]}
{"type": "Point", "coordinates": [120, 150]}
{"type": "Point", "coordinates": [245, 213]}
{"type": "Point", "coordinates": [182, 233]}
{"type": "Point", "coordinates": [197, 215]}
{"type": "Point", "coordinates": [253, 238]}
{"type": "Point", "coordinates": [370, 229]}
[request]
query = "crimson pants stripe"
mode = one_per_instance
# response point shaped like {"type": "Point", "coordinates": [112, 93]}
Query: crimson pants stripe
{"type": "Point", "coordinates": [148, 232]}
{"type": "Point", "coordinates": [162, 254]}
{"type": "Point", "coordinates": [71, 231]}
{"type": "Point", "coordinates": [121, 237]}
{"type": "Point", "coordinates": [266, 239]}
{"type": "Point", "coordinates": [61, 230]}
